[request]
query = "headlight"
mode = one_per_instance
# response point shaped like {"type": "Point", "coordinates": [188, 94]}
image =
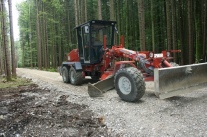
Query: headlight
{"type": "Point", "coordinates": [168, 54]}
{"type": "Point", "coordinates": [151, 54]}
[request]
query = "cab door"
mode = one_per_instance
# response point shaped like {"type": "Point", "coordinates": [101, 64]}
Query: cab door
{"type": "Point", "coordinates": [86, 43]}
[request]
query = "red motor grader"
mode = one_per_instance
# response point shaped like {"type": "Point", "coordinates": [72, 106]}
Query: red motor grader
{"type": "Point", "coordinates": [115, 66]}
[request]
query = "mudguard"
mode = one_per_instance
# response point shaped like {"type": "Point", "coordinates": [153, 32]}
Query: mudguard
{"type": "Point", "coordinates": [77, 65]}
{"type": "Point", "coordinates": [179, 80]}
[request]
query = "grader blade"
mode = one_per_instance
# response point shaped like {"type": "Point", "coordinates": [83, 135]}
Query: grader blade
{"type": "Point", "coordinates": [179, 80]}
{"type": "Point", "coordinates": [97, 89]}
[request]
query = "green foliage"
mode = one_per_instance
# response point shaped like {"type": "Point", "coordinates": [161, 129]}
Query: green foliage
{"type": "Point", "coordinates": [57, 22]}
{"type": "Point", "coordinates": [50, 69]}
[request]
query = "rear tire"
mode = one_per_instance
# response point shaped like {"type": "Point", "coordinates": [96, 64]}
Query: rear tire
{"type": "Point", "coordinates": [129, 84]}
{"type": "Point", "coordinates": [76, 77]}
{"type": "Point", "coordinates": [65, 75]}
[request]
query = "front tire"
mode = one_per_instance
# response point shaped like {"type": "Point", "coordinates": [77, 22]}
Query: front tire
{"type": "Point", "coordinates": [76, 77]}
{"type": "Point", "coordinates": [129, 84]}
{"type": "Point", "coordinates": [65, 75]}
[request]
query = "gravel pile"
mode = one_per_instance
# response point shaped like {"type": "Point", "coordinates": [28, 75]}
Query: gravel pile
{"type": "Point", "coordinates": [184, 115]}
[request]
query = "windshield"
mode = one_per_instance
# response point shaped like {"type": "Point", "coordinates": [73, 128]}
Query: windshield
{"type": "Point", "coordinates": [99, 30]}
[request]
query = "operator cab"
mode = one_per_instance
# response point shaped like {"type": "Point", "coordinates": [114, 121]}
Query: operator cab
{"type": "Point", "coordinates": [90, 39]}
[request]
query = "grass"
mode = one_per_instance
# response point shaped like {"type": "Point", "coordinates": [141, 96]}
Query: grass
{"type": "Point", "coordinates": [52, 69]}
{"type": "Point", "coordinates": [14, 82]}
{"type": "Point", "coordinates": [47, 69]}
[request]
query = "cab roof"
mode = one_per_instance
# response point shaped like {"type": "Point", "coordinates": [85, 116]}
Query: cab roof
{"type": "Point", "coordinates": [101, 22]}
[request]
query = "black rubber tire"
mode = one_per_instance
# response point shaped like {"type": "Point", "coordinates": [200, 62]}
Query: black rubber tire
{"type": "Point", "coordinates": [137, 84]}
{"type": "Point", "coordinates": [65, 75]}
{"type": "Point", "coordinates": [76, 77]}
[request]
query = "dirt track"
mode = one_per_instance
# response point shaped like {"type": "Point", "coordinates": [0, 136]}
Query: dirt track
{"type": "Point", "coordinates": [178, 116]}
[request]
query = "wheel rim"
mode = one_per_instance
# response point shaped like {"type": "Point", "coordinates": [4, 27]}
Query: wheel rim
{"type": "Point", "coordinates": [72, 76]}
{"type": "Point", "coordinates": [124, 85]}
{"type": "Point", "coordinates": [64, 75]}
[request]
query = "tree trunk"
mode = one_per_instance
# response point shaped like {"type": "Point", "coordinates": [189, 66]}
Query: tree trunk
{"type": "Point", "coordinates": [180, 20]}
{"type": "Point", "coordinates": [39, 51]}
{"type": "Point", "coordinates": [198, 30]}
{"type": "Point", "coordinates": [23, 51]}
{"type": "Point", "coordinates": [174, 36]}
{"type": "Point", "coordinates": [5, 43]}
{"type": "Point", "coordinates": [46, 43]}
{"type": "Point", "coordinates": [54, 43]}
{"type": "Point", "coordinates": [76, 13]}
{"type": "Point", "coordinates": [118, 20]}
{"type": "Point", "coordinates": [190, 35]}
{"type": "Point", "coordinates": [1, 43]}
{"type": "Point", "coordinates": [141, 15]}
{"type": "Point", "coordinates": [69, 34]}
{"type": "Point", "coordinates": [169, 25]}
{"type": "Point", "coordinates": [153, 27]}
{"type": "Point", "coordinates": [126, 26]}
{"type": "Point", "coordinates": [30, 37]}
{"type": "Point", "coordinates": [204, 30]}
{"type": "Point", "coordinates": [99, 10]}
{"type": "Point", "coordinates": [79, 11]}
{"type": "Point", "coordinates": [12, 40]}
{"type": "Point", "coordinates": [59, 44]}
{"type": "Point", "coordinates": [42, 32]}
{"type": "Point", "coordinates": [86, 11]}
{"type": "Point", "coordinates": [111, 9]}
{"type": "Point", "coordinates": [76, 16]}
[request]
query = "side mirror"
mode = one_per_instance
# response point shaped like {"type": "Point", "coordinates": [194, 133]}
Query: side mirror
{"type": "Point", "coordinates": [86, 29]}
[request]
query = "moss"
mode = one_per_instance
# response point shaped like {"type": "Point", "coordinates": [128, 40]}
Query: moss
{"type": "Point", "coordinates": [14, 82]}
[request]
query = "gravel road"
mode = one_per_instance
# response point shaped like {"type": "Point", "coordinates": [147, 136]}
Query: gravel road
{"type": "Point", "coordinates": [184, 115]}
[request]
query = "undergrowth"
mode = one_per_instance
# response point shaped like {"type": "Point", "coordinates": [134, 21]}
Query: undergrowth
{"type": "Point", "coordinates": [15, 82]}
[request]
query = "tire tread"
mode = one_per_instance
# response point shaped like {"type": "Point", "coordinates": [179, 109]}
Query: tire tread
{"type": "Point", "coordinates": [137, 77]}
{"type": "Point", "coordinates": [78, 76]}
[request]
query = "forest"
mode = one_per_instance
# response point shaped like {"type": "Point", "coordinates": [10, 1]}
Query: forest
{"type": "Point", "coordinates": [47, 31]}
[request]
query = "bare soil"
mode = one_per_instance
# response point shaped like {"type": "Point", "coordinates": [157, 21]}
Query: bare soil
{"type": "Point", "coordinates": [31, 111]}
